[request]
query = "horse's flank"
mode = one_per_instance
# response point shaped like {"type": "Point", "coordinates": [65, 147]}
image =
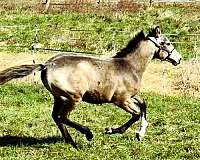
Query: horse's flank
{"type": "Point", "coordinates": [94, 79]}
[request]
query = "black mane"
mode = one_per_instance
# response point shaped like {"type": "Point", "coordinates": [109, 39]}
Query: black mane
{"type": "Point", "coordinates": [152, 32]}
{"type": "Point", "coordinates": [132, 44]}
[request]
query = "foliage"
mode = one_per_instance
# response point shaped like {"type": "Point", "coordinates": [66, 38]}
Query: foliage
{"type": "Point", "coordinates": [28, 131]}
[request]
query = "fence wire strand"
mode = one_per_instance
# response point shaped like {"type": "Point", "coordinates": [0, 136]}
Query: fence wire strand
{"type": "Point", "coordinates": [184, 81]}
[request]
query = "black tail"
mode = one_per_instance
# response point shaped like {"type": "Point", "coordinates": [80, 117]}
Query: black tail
{"type": "Point", "coordinates": [19, 72]}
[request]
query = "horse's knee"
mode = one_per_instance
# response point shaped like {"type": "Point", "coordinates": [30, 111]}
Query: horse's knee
{"type": "Point", "coordinates": [140, 103]}
{"type": "Point", "coordinates": [132, 107]}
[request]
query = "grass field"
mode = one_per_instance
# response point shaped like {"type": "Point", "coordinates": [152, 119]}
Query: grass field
{"type": "Point", "coordinates": [28, 131]}
{"type": "Point", "coordinates": [100, 33]}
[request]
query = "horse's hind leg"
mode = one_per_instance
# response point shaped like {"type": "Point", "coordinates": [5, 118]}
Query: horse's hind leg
{"type": "Point", "coordinates": [65, 119]}
{"type": "Point", "coordinates": [57, 109]}
{"type": "Point", "coordinates": [60, 115]}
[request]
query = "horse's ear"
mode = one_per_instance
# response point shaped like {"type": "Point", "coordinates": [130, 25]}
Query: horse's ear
{"type": "Point", "coordinates": [157, 31]}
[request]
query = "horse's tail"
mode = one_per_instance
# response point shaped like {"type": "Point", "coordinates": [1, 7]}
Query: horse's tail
{"type": "Point", "coordinates": [19, 72]}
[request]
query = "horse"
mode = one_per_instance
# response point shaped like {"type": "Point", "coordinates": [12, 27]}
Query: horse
{"type": "Point", "coordinates": [116, 79]}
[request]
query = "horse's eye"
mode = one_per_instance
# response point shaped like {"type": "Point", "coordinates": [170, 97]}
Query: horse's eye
{"type": "Point", "coordinates": [168, 43]}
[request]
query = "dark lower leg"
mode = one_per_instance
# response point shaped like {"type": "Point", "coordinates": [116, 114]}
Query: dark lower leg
{"type": "Point", "coordinates": [83, 129]}
{"type": "Point", "coordinates": [58, 104]}
{"type": "Point", "coordinates": [66, 135]}
{"type": "Point", "coordinates": [124, 127]}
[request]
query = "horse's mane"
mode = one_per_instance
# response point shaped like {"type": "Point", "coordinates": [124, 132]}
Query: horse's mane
{"type": "Point", "coordinates": [133, 43]}
{"type": "Point", "coordinates": [152, 32]}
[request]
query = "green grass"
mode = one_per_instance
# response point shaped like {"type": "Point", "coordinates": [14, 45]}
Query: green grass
{"type": "Point", "coordinates": [27, 130]}
{"type": "Point", "coordinates": [53, 28]}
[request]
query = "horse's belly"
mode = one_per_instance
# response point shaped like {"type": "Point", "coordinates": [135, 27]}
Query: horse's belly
{"type": "Point", "coordinates": [94, 97]}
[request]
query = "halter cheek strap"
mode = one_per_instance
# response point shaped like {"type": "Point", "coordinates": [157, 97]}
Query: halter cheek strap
{"type": "Point", "coordinates": [154, 40]}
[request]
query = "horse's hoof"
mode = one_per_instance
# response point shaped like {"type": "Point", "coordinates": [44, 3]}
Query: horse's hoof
{"type": "Point", "coordinates": [89, 136]}
{"type": "Point", "coordinates": [71, 142]}
{"type": "Point", "coordinates": [90, 143]}
{"type": "Point", "coordinates": [108, 130]}
{"type": "Point", "coordinates": [138, 136]}
{"type": "Point", "coordinates": [75, 145]}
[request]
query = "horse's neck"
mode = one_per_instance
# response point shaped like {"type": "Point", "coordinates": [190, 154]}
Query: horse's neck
{"type": "Point", "coordinates": [141, 56]}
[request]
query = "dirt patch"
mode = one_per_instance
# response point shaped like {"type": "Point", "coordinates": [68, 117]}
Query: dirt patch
{"type": "Point", "coordinates": [167, 79]}
{"type": "Point", "coordinates": [162, 78]}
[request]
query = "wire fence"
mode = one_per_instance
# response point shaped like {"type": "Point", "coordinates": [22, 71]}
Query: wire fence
{"type": "Point", "coordinates": [89, 5]}
{"type": "Point", "coordinates": [187, 77]}
{"type": "Point", "coordinates": [37, 34]}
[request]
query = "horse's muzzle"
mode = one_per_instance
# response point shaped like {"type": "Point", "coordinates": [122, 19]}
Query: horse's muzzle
{"type": "Point", "coordinates": [175, 57]}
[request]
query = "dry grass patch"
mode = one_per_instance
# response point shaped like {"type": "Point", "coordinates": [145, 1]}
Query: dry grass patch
{"type": "Point", "coordinates": [187, 81]}
{"type": "Point", "coordinates": [166, 79]}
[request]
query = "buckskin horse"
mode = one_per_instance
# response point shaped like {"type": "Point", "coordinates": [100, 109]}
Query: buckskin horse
{"type": "Point", "coordinates": [74, 78]}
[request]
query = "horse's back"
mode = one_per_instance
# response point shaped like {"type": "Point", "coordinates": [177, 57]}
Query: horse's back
{"type": "Point", "coordinates": [74, 74]}
{"type": "Point", "coordinates": [93, 79]}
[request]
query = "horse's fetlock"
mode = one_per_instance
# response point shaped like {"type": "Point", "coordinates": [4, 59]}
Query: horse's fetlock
{"type": "Point", "coordinates": [108, 130]}
{"type": "Point", "coordinates": [144, 124]}
{"type": "Point", "coordinates": [89, 136]}
{"type": "Point", "coordinates": [123, 129]}
{"type": "Point", "coordinates": [88, 133]}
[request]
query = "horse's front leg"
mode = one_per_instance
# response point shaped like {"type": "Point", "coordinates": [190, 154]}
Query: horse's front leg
{"type": "Point", "coordinates": [141, 132]}
{"type": "Point", "coordinates": [137, 107]}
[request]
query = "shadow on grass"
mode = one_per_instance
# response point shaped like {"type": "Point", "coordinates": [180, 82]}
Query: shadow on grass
{"type": "Point", "coordinates": [28, 141]}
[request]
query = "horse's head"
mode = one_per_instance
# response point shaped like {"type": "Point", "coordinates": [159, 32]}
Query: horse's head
{"type": "Point", "coordinates": [165, 50]}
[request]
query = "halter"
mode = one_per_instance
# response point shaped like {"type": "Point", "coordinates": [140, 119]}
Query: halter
{"type": "Point", "coordinates": [154, 40]}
